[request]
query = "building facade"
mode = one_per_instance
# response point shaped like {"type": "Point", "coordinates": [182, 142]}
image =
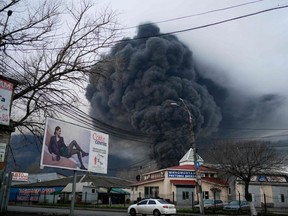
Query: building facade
{"type": "Point", "coordinates": [269, 190]}
{"type": "Point", "coordinates": [178, 184]}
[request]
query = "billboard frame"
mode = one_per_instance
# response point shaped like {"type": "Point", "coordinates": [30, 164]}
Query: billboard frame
{"type": "Point", "coordinates": [95, 143]}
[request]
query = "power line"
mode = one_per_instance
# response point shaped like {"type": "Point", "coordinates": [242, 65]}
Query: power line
{"type": "Point", "coordinates": [111, 44]}
{"type": "Point", "coordinates": [197, 14]}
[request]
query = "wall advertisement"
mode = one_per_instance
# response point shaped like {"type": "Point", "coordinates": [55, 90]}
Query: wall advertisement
{"type": "Point", "coordinates": [6, 90]}
{"type": "Point", "coordinates": [68, 146]}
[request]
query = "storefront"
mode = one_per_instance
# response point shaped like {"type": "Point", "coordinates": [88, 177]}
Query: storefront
{"type": "Point", "coordinates": [178, 184]}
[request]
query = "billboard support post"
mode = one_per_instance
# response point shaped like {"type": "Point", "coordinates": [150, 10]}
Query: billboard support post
{"type": "Point", "coordinates": [73, 194]}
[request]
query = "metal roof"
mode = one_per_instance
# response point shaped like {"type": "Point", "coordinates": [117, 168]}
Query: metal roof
{"type": "Point", "coordinates": [98, 181]}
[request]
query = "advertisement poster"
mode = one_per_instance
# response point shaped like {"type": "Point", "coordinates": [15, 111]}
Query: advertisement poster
{"type": "Point", "coordinates": [68, 146]}
{"type": "Point", "coordinates": [2, 151]}
{"type": "Point", "coordinates": [6, 89]}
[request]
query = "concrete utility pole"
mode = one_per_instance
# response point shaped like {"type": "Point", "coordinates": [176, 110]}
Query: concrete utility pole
{"type": "Point", "coordinates": [197, 174]}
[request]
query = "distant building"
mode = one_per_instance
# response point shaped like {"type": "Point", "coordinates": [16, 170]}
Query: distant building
{"type": "Point", "coordinates": [270, 189]}
{"type": "Point", "coordinates": [33, 178]}
{"type": "Point", "coordinates": [177, 184]}
{"type": "Point", "coordinates": [89, 189]}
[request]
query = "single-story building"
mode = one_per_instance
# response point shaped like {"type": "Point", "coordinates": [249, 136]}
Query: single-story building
{"type": "Point", "coordinates": [178, 184]}
{"type": "Point", "coordinates": [89, 189]}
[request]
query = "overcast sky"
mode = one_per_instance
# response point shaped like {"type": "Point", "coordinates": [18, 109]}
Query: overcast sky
{"type": "Point", "coordinates": [251, 52]}
{"type": "Point", "coordinates": [249, 56]}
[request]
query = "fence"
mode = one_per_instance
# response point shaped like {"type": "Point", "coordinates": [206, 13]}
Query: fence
{"type": "Point", "coordinates": [190, 199]}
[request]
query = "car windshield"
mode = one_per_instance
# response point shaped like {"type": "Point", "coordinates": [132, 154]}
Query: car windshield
{"type": "Point", "coordinates": [208, 202]}
{"type": "Point", "coordinates": [235, 202]}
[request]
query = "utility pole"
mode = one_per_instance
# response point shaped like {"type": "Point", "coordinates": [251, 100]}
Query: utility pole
{"type": "Point", "coordinates": [197, 174]}
{"type": "Point", "coordinates": [7, 86]}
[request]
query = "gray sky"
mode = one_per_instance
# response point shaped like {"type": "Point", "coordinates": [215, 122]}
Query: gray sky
{"type": "Point", "coordinates": [250, 52]}
{"type": "Point", "coordinates": [248, 56]}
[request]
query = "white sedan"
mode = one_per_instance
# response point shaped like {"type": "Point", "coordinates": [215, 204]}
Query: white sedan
{"type": "Point", "coordinates": [154, 207]}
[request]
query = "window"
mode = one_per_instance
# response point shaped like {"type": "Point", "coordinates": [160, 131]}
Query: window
{"type": "Point", "coordinates": [281, 198]}
{"type": "Point", "coordinates": [151, 202]}
{"type": "Point", "coordinates": [229, 190]}
{"type": "Point", "coordinates": [205, 195]}
{"type": "Point", "coordinates": [151, 192]}
{"type": "Point", "coordinates": [143, 202]}
{"type": "Point", "coordinates": [185, 195]}
{"type": "Point", "coordinates": [253, 197]}
{"type": "Point", "coordinates": [93, 190]}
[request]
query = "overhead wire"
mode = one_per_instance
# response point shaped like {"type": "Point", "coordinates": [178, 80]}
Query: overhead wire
{"type": "Point", "coordinates": [111, 44]}
{"type": "Point", "coordinates": [83, 116]}
{"type": "Point", "coordinates": [196, 14]}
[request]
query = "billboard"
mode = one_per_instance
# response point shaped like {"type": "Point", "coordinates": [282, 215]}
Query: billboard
{"type": "Point", "coordinates": [68, 146]}
{"type": "Point", "coordinates": [19, 176]}
{"type": "Point", "coordinates": [6, 89]}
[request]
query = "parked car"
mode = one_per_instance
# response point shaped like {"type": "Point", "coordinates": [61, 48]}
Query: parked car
{"type": "Point", "coordinates": [211, 204]}
{"type": "Point", "coordinates": [237, 206]}
{"type": "Point", "coordinates": [154, 207]}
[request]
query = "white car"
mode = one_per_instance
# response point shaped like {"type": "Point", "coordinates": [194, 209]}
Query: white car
{"type": "Point", "coordinates": [154, 207]}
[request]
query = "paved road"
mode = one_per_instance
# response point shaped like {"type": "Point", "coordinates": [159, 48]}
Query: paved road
{"type": "Point", "coordinates": [28, 210]}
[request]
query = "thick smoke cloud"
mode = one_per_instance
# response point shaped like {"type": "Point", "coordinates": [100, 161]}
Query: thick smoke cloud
{"type": "Point", "coordinates": [134, 85]}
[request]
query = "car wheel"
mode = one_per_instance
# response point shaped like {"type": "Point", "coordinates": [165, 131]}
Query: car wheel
{"type": "Point", "coordinates": [156, 213]}
{"type": "Point", "coordinates": [132, 212]}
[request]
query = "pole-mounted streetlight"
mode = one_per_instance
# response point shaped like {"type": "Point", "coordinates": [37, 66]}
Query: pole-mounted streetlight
{"type": "Point", "coordinates": [198, 176]}
{"type": "Point", "coordinates": [2, 35]}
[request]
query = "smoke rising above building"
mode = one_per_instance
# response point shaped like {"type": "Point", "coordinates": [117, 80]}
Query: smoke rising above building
{"type": "Point", "coordinates": [133, 86]}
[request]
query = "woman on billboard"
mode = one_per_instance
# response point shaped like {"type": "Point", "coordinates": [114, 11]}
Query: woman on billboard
{"type": "Point", "coordinates": [60, 149]}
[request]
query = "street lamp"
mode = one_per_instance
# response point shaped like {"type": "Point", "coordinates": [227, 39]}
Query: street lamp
{"type": "Point", "coordinates": [198, 176]}
{"type": "Point", "coordinates": [2, 36]}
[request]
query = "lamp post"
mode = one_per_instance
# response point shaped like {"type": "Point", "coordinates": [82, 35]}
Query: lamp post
{"type": "Point", "coordinates": [2, 36]}
{"type": "Point", "coordinates": [197, 175]}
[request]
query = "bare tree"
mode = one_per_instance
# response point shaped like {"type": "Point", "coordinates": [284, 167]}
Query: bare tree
{"type": "Point", "coordinates": [49, 47]}
{"type": "Point", "coordinates": [246, 159]}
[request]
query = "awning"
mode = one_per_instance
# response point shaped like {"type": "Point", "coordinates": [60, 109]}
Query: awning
{"type": "Point", "coordinates": [183, 182]}
{"type": "Point", "coordinates": [119, 191]}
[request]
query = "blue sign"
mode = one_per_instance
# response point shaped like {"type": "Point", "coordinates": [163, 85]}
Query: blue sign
{"type": "Point", "coordinates": [181, 174]}
{"type": "Point", "coordinates": [197, 164]}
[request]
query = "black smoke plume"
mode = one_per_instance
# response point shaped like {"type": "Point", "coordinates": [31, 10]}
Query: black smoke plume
{"type": "Point", "coordinates": [134, 85]}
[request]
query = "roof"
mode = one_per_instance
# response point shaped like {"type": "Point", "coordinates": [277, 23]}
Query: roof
{"type": "Point", "coordinates": [78, 188]}
{"type": "Point", "coordinates": [98, 181]}
{"type": "Point", "coordinates": [107, 181]}
{"type": "Point", "coordinates": [214, 180]}
{"type": "Point", "coordinates": [62, 182]}
{"type": "Point", "coordinates": [188, 158]}
{"type": "Point", "coordinates": [39, 177]}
